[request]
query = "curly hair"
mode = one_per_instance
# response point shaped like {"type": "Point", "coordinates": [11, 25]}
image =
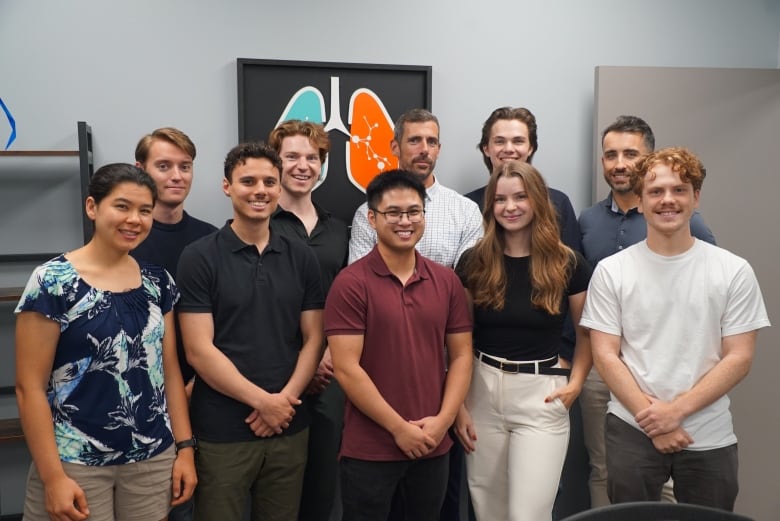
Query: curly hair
{"type": "Point", "coordinates": [239, 155]}
{"type": "Point", "coordinates": [680, 160]}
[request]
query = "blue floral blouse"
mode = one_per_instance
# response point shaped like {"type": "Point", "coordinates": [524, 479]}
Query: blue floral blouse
{"type": "Point", "coordinates": [106, 388]}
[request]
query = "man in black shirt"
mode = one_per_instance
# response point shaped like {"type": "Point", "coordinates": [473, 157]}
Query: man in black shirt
{"type": "Point", "coordinates": [303, 147]}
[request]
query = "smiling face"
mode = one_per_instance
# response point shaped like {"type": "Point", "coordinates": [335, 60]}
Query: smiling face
{"type": "Point", "coordinates": [667, 202]}
{"type": "Point", "coordinates": [254, 189]}
{"type": "Point", "coordinates": [301, 165]}
{"type": "Point", "coordinates": [511, 205]}
{"type": "Point", "coordinates": [403, 235]}
{"type": "Point", "coordinates": [418, 149]}
{"type": "Point", "coordinates": [171, 169]}
{"type": "Point", "coordinates": [621, 152]}
{"type": "Point", "coordinates": [508, 141]}
{"type": "Point", "coordinates": [122, 218]}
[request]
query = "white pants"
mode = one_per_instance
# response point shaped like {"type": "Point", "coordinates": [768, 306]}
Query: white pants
{"type": "Point", "coordinates": [514, 471]}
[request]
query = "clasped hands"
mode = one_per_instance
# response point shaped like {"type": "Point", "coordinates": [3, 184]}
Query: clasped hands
{"type": "Point", "coordinates": [418, 438]}
{"type": "Point", "coordinates": [274, 414]}
{"type": "Point", "coordinates": [662, 421]}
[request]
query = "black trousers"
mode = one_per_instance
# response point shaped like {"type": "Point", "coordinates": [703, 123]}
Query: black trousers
{"type": "Point", "coordinates": [368, 487]}
{"type": "Point", "coordinates": [636, 471]}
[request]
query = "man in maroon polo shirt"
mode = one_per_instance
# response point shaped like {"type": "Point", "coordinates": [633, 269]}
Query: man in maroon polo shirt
{"type": "Point", "coordinates": [388, 318]}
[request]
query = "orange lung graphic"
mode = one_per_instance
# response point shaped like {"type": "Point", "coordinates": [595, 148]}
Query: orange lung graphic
{"type": "Point", "coordinates": [371, 131]}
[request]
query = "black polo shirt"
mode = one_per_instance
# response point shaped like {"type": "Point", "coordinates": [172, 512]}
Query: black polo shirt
{"type": "Point", "coordinates": [329, 239]}
{"type": "Point", "coordinates": [256, 302]}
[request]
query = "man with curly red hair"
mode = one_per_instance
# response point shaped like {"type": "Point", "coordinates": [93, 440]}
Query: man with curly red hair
{"type": "Point", "coordinates": [674, 322]}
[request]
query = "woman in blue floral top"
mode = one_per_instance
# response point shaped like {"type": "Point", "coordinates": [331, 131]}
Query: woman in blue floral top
{"type": "Point", "coordinates": [100, 392]}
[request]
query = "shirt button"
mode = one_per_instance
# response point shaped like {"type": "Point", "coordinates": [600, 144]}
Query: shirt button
{"type": "Point", "coordinates": [620, 247]}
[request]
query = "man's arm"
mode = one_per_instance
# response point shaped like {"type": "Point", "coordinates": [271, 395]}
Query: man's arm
{"type": "Point", "coordinates": [363, 393]}
{"type": "Point", "coordinates": [456, 385]}
{"type": "Point", "coordinates": [219, 372]}
{"type": "Point", "coordinates": [362, 236]}
{"type": "Point", "coordinates": [606, 358]}
{"type": "Point", "coordinates": [311, 352]}
{"type": "Point", "coordinates": [661, 417]}
{"type": "Point", "coordinates": [606, 349]}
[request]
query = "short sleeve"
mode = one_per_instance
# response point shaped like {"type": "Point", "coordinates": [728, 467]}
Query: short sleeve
{"type": "Point", "coordinates": [195, 277]}
{"type": "Point", "coordinates": [460, 267]}
{"type": "Point", "coordinates": [602, 308]}
{"type": "Point", "coordinates": [47, 290]}
{"type": "Point", "coordinates": [745, 310]}
{"type": "Point", "coordinates": [581, 274]}
{"type": "Point", "coordinates": [346, 306]}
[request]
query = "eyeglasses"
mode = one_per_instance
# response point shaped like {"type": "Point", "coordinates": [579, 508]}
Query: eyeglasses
{"type": "Point", "coordinates": [394, 216]}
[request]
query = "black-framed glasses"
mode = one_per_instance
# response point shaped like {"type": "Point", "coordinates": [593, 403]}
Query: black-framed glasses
{"type": "Point", "coordinates": [414, 215]}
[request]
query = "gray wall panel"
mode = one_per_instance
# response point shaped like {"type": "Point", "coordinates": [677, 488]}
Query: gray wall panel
{"type": "Point", "coordinates": [731, 119]}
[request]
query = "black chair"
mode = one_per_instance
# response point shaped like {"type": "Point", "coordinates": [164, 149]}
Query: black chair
{"type": "Point", "coordinates": [656, 511]}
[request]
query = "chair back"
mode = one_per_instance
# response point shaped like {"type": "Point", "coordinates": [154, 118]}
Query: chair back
{"type": "Point", "coordinates": [656, 511]}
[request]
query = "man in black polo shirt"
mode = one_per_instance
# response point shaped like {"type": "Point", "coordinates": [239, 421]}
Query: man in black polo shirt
{"type": "Point", "coordinates": [251, 317]}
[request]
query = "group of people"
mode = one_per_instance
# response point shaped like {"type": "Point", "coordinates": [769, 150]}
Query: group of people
{"type": "Point", "coordinates": [290, 367]}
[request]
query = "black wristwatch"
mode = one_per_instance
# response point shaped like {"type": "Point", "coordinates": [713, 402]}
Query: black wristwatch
{"type": "Point", "coordinates": [184, 444]}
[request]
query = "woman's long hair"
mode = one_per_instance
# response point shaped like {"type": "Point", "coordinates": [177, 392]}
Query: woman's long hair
{"type": "Point", "coordinates": [551, 260]}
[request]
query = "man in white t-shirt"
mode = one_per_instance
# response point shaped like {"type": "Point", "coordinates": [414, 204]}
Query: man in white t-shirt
{"type": "Point", "coordinates": [673, 322]}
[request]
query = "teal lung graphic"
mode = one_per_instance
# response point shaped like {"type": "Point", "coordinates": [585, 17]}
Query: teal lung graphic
{"type": "Point", "coordinates": [307, 105]}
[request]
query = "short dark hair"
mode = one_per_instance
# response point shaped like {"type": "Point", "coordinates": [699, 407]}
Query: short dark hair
{"type": "Point", "coordinates": [239, 154]}
{"type": "Point", "coordinates": [633, 124]}
{"type": "Point", "coordinates": [107, 177]}
{"type": "Point", "coordinates": [390, 180]}
{"type": "Point", "coordinates": [509, 113]}
{"type": "Point", "coordinates": [412, 116]}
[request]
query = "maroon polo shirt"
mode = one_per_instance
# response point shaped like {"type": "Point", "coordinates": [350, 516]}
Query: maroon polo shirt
{"type": "Point", "coordinates": [404, 330]}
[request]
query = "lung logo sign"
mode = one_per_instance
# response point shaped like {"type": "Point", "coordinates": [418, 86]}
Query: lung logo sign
{"type": "Point", "coordinates": [369, 134]}
{"type": "Point", "coordinates": [356, 103]}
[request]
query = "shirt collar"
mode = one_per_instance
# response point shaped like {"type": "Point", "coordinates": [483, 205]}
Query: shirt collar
{"type": "Point", "coordinates": [275, 242]}
{"type": "Point", "coordinates": [610, 203]}
{"type": "Point", "coordinates": [430, 193]}
{"type": "Point", "coordinates": [322, 214]}
{"type": "Point", "coordinates": [378, 266]}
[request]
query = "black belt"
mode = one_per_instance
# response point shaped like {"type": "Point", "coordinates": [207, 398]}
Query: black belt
{"type": "Point", "coordinates": [540, 367]}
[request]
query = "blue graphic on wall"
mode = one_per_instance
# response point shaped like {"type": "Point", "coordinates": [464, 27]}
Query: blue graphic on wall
{"type": "Point", "coordinates": [11, 122]}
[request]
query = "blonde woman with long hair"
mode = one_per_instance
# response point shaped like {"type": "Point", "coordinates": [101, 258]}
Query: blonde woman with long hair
{"type": "Point", "coordinates": [521, 280]}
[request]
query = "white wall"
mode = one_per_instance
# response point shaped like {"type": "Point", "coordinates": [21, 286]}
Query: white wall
{"type": "Point", "coordinates": [129, 67]}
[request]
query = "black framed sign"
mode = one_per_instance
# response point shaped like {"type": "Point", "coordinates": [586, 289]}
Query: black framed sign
{"type": "Point", "coordinates": [357, 103]}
